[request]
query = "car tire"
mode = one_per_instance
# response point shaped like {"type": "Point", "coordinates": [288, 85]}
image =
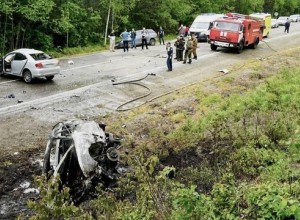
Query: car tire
{"type": "Point", "coordinates": [213, 47]}
{"type": "Point", "coordinates": [49, 78]}
{"type": "Point", "coordinates": [152, 42]}
{"type": "Point", "coordinates": [27, 77]}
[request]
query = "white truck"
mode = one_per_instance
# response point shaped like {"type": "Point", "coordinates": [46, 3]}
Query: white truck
{"type": "Point", "coordinates": [202, 24]}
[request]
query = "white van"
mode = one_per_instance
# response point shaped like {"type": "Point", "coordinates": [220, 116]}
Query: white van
{"type": "Point", "coordinates": [202, 24]}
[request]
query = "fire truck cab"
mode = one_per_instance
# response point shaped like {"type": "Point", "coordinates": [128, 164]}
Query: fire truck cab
{"type": "Point", "coordinates": [236, 31]}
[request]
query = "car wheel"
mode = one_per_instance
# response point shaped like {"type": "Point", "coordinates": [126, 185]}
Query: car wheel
{"type": "Point", "coordinates": [152, 42]}
{"type": "Point", "coordinates": [49, 78]}
{"type": "Point", "coordinates": [213, 47]}
{"type": "Point", "coordinates": [27, 77]}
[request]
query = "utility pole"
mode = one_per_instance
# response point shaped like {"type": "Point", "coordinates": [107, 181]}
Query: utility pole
{"type": "Point", "coordinates": [107, 21]}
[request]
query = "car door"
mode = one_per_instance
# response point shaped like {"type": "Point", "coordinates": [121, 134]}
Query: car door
{"type": "Point", "coordinates": [18, 64]}
{"type": "Point", "coordinates": [1, 65]}
{"type": "Point", "coordinates": [138, 39]}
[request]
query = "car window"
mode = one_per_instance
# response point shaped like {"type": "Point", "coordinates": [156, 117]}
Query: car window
{"type": "Point", "coordinates": [20, 56]}
{"type": "Point", "coordinates": [40, 56]}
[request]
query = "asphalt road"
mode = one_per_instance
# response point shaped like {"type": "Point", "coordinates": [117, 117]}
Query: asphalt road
{"type": "Point", "coordinates": [86, 86]}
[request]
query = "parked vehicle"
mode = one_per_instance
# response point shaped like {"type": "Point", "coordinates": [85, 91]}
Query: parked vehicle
{"type": "Point", "coordinates": [274, 23]}
{"type": "Point", "coordinates": [236, 31]}
{"type": "Point", "coordinates": [29, 64]}
{"type": "Point", "coordinates": [151, 39]}
{"type": "Point", "coordinates": [295, 18]}
{"type": "Point", "coordinates": [201, 25]}
{"type": "Point", "coordinates": [281, 20]}
{"type": "Point", "coordinates": [267, 22]}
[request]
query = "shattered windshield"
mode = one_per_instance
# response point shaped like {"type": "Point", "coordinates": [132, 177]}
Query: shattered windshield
{"type": "Point", "coordinates": [227, 26]}
{"type": "Point", "coordinates": [40, 56]}
{"type": "Point", "coordinates": [200, 25]}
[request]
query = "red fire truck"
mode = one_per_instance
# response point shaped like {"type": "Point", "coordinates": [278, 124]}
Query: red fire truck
{"type": "Point", "coordinates": [236, 31]}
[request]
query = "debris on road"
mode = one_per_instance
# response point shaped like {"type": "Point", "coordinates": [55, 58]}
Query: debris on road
{"type": "Point", "coordinates": [83, 155]}
{"type": "Point", "coordinates": [224, 71]}
{"type": "Point", "coordinates": [70, 62]}
{"type": "Point", "coordinates": [11, 96]}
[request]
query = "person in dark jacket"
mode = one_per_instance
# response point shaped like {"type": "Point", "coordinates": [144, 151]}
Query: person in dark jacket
{"type": "Point", "coordinates": [170, 56]}
{"type": "Point", "coordinates": [287, 25]}
{"type": "Point", "coordinates": [161, 35]}
{"type": "Point", "coordinates": [181, 48]}
{"type": "Point", "coordinates": [133, 37]}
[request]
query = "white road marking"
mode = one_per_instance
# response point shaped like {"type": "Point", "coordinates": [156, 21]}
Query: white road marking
{"type": "Point", "coordinates": [10, 81]}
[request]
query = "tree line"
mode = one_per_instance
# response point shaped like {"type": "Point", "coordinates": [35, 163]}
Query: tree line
{"type": "Point", "coordinates": [56, 24]}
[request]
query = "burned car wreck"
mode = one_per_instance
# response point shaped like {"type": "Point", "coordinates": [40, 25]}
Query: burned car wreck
{"type": "Point", "coordinates": [83, 155]}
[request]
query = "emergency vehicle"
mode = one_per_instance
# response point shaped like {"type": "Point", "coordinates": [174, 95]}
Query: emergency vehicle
{"type": "Point", "coordinates": [201, 25]}
{"type": "Point", "coordinates": [267, 19]}
{"type": "Point", "coordinates": [236, 31]}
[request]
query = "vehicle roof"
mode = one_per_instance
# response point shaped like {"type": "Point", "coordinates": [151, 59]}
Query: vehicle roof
{"type": "Point", "coordinates": [297, 15]}
{"type": "Point", "coordinates": [260, 15]}
{"type": "Point", "coordinates": [207, 17]}
{"type": "Point", "coordinates": [283, 17]}
{"type": "Point", "coordinates": [237, 21]}
{"type": "Point", "coordinates": [27, 51]}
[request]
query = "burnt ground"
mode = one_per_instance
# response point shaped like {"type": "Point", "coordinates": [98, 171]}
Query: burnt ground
{"type": "Point", "coordinates": [25, 139]}
{"type": "Point", "coordinates": [16, 176]}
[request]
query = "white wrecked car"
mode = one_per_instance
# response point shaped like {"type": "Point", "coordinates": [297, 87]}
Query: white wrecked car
{"type": "Point", "coordinates": [82, 154]}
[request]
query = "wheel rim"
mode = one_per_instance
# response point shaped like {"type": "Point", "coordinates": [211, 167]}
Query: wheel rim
{"type": "Point", "coordinates": [27, 77]}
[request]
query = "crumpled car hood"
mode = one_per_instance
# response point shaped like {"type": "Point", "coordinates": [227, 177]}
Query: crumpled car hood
{"type": "Point", "coordinates": [86, 134]}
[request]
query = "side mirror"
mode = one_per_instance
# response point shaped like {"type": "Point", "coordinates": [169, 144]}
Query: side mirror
{"type": "Point", "coordinates": [210, 25]}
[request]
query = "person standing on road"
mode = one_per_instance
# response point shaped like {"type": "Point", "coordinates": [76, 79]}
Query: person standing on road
{"type": "Point", "coordinates": [181, 48]}
{"type": "Point", "coordinates": [181, 30]}
{"type": "Point", "coordinates": [112, 41]}
{"type": "Point", "coordinates": [187, 30]}
{"type": "Point", "coordinates": [133, 37]}
{"type": "Point", "coordinates": [287, 25]}
{"type": "Point", "coordinates": [124, 35]}
{"type": "Point", "coordinates": [144, 38]}
{"type": "Point", "coordinates": [188, 51]}
{"type": "Point", "coordinates": [170, 56]}
{"type": "Point", "coordinates": [161, 34]}
{"type": "Point", "coordinates": [195, 45]}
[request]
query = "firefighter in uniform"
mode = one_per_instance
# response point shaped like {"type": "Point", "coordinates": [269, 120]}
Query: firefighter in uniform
{"type": "Point", "coordinates": [181, 48]}
{"type": "Point", "coordinates": [176, 45]}
{"type": "Point", "coordinates": [195, 45]}
{"type": "Point", "coordinates": [188, 51]}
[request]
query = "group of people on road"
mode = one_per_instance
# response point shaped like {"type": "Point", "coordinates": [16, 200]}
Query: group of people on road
{"type": "Point", "coordinates": [184, 49]}
{"type": "Point", "coordinates": [125, 35]}
{"type": "Point", "coordinates": [188, 48]}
